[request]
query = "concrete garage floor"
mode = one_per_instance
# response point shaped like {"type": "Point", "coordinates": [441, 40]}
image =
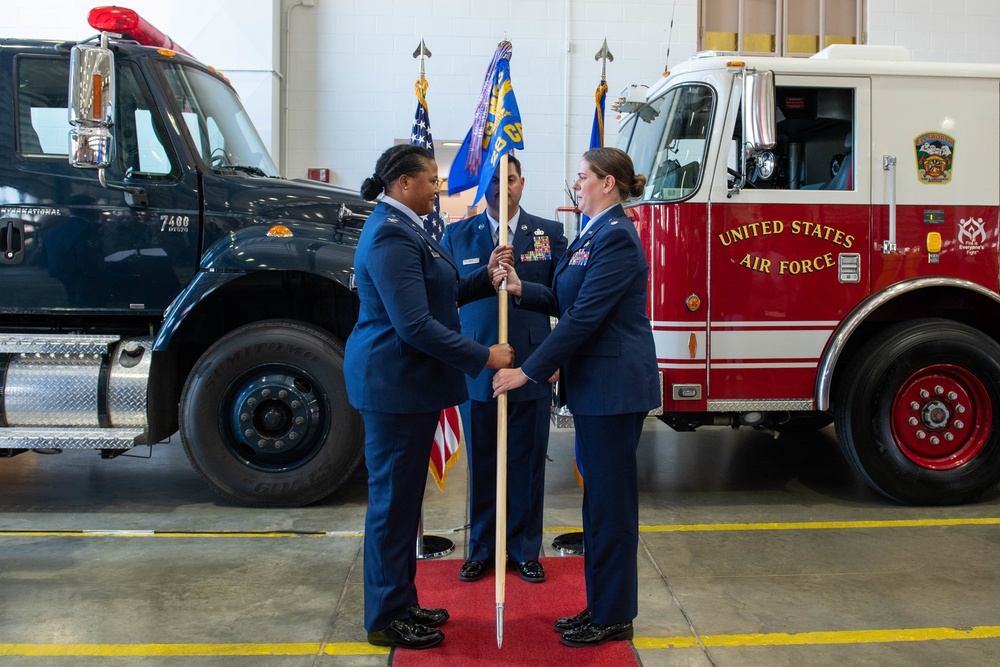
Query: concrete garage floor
{"type": "Point", "coordinates": [910, 586]}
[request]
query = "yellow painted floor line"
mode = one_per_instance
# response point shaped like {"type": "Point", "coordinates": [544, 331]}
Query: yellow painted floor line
{"type": "Point", "coordinates": [664, 528]}
{"type": "Point", "coordinates": [192, 650]}
{"type": "Point", "coordinates": [817, 638]}
{"type": "Point", "coordinates": [801, 525]}
{"type": "Point", "coordinates": [362, 648]}
{"type": "Point", "coordinates": [243, 534]}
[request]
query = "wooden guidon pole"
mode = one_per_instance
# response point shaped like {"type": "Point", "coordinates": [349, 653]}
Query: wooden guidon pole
{"type": "Point", "coordinates": [500, 551]}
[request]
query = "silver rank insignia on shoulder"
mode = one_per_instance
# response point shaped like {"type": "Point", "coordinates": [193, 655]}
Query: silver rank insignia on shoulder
{"type": "Point", "coordinates": [391, 218]}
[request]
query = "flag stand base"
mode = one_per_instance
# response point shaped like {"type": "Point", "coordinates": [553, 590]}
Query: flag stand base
{"type": "Point", "coordinates": [431, 546]}
{"type": "Point", "coordinates": [569, 544]}
{"type": "Point", "coordinates": [434, 546]}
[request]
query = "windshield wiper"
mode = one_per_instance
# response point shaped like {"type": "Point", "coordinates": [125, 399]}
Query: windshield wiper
{"type": "Point", "coordinates": [246, 169]}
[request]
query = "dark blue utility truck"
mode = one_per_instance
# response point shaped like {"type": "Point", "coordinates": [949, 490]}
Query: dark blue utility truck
{"type": "Point", "coordinates": [157, 275]}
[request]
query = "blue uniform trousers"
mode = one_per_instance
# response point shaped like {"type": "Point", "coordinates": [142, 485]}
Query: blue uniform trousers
{"type": "Point", "coordinates": [397, 449]}
{"type": "Point", "coordinates": [608, 446]}
{"type": "Point", "coordinates": [527, 441]}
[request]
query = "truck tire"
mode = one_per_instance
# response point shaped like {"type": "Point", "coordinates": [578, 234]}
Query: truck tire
{"type": "Point", "coordinates": [918, 415]}
{"type": "Point", "coordinates": [264, 416]}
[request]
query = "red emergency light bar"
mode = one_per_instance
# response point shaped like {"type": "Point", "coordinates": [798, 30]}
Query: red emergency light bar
{"type": "Point", "coordinates": [128, 23]}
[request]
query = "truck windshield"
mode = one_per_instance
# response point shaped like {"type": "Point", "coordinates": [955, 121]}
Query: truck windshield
{"type": "Point", "coordinates": [219, 126]}
{"type": "Point", "coordinates": [670, 140]}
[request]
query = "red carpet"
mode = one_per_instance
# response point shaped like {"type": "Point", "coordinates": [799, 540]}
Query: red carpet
{"type": "Point", "coordinates": [529, 612]}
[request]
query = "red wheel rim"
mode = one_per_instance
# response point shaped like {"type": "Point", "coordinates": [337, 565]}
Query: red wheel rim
{"type": "Point", "coordinates": [941, 417]}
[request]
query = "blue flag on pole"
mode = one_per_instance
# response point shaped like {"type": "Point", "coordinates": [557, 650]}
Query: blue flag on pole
{"type": "Point", "coordinates": [597, 131]}
{"type": "Point", "coordinates": [596, 141]}
{"type": "Point", "coordinates": [495, 131]}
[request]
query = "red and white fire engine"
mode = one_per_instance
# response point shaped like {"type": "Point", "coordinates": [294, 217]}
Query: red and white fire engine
{"type": "Point", "coordinates": [823, 241]}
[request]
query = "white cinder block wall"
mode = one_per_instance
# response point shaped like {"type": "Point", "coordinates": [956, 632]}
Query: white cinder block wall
{"type": "Point", "coordinates": [966, 31]}
{"type": "Point", "coordinates": [352, 74]}
{"type": "Point", "coordinates": [350, 70]}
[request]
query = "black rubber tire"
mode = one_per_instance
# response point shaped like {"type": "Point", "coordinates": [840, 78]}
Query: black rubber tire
{"type": "Point", "coordinates": [879, 444]}
{"type": "Point", "coordinates": [258, 462]}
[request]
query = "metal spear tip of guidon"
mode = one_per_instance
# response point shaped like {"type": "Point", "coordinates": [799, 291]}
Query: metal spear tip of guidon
{"type": "Point", "coordinates": [605, 56]}
{"type": "Point", "coordinates": [500, 625]}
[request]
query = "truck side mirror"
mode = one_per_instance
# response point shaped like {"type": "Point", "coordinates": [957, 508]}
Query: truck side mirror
{"type": "Point", "coordinates": [92, 105]}
{"type": "Point", "coordinates": [760, 130]}
{"type": "Point", "coordinates": [758, 111]}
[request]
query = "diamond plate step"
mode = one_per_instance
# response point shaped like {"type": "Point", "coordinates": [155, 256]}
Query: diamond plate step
{"type": "Point", "coordinates": [23, 437]}
{"type": "Point", "coordinates": [56, 344]}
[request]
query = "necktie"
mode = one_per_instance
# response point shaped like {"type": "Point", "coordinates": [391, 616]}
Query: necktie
{"type": "Point", "coordinates": [496, 236]}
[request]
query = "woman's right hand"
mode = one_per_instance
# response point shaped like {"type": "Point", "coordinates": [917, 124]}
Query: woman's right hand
{"type": "Point", "coordinates": [501, 356]}
{"type": "Point", "coordinates": [513, 282]}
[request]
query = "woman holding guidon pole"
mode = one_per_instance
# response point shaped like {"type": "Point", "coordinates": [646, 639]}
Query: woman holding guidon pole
{"type": "Point", "coordinates": [603, 344]}
{"type": "Point", "coordinates": [404, 362]}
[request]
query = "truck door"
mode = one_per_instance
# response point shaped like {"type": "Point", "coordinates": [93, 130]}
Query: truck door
{"type": "Point", "coordinates": [77, 244]}
{"type": "Point", "coordinates": [789, 256]}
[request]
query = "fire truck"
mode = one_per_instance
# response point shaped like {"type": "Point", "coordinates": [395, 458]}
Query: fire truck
{"type": "Point", "coordinates": [822, 235]}
{"type": "Point", "coordinates": [157, 275]}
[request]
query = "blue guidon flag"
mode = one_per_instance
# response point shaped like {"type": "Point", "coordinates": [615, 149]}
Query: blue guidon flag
{"type": "Point", "coordinates": [496, 130]}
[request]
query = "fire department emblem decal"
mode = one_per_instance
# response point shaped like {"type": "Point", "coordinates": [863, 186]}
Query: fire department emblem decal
{"type": "Point", "coordinates": [971, 235]}
{"type": "Point", "coordinates": [935, 155]}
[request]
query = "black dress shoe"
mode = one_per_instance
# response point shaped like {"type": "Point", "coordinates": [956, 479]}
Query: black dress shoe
{"type": "Point", "coordinates": [595, 634]}
{"type": "Point", "coordinates": [406, 634]}
{"type": "Point", "coordinates": [428, 617]}
{"type": "Point", "coordinates": [529, 570]}
{"type": "Point", "coordinates": [570, 622]}
{"type": "Point", "coordinates": [474, 570]}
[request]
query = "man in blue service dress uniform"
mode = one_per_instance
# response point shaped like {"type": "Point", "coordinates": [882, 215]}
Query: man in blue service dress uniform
{"type": "Point", "coordinates": [538, 246]}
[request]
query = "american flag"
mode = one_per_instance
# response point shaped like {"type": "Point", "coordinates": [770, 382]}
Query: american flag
{"type": "Point", "coordinates": [420, 135]}
{"type": "Point", "coordinates": [447, 442]}
{"type": "Point", "coordinates": [448, 437]}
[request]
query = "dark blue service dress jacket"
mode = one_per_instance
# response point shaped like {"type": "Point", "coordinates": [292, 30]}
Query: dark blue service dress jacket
{"type": "Point", "coordinates": [406, 353]}
{"type": "Point", "coordinates": [538, 246]}
{"type": "Point", "coordinates": [604, 341]}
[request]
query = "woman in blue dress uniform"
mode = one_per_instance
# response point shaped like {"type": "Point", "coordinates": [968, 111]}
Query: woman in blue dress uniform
{"type": "Point", "coordinates": [404, 363]}
{"type": "Point", "coordinates": [603, 345]}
